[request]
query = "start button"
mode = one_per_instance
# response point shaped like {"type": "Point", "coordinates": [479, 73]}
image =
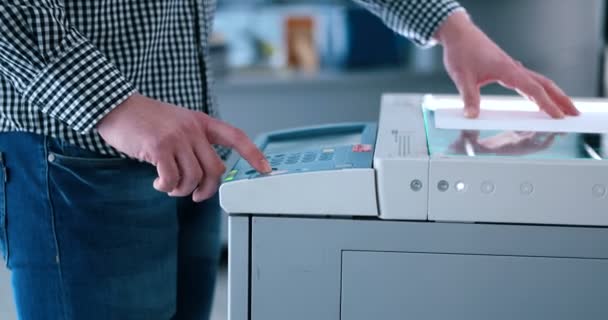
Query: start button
{"type": "Point", "coordinates": [526, 188]}
{"type": "Point", "coordinates": [488, 187]}
{"type": "Point", "coordinates": [599, 191]}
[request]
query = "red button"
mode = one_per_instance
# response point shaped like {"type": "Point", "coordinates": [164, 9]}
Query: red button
{"type": "Point", "coordinates": [362, 148]}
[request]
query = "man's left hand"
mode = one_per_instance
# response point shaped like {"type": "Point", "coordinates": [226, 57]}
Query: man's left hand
{"type": "Point", "coordinates": [473, 60]}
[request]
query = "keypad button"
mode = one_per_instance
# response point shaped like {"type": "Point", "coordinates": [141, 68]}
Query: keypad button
{"type": "Point", "coordinates": [293, 158]}
{"type": "Point", "coordinates": [309, 157]}
{"type": "Point", "coordinates": [326, 156]}
{"type": "Point", "coordinates": [278, 158]}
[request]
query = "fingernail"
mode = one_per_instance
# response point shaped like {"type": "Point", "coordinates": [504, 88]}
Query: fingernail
{"type": "Point", "coordinates": [266, 165]}
{"type": "Point", "coordinates": [470, 113]}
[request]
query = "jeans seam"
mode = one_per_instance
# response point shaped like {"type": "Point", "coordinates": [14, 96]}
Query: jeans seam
{"type": "Point", "coordinates": [4, 214]}
{"type": "Point", "coordinates": [54, 228]}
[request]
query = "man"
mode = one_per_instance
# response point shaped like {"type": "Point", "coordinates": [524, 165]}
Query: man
{"type": "Point", "coordinates": [87, 86]}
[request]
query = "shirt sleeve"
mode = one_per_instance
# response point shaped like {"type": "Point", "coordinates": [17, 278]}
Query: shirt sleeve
{"type": "Point", "coordinates": [415, 19]}
{"type": "Point", "coordinates": [54, 67]}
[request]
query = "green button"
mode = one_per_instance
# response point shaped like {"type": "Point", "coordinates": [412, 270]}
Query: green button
{"type": "Point", "coordinates": [231, 175]}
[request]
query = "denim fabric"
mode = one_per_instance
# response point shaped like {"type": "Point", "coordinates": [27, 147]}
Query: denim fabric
{"type": "Point", "coordinates": [87, 237]}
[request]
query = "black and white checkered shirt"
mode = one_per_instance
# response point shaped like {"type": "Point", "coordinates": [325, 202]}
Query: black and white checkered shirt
{"type": "Point", "coordinates": [65, 64]}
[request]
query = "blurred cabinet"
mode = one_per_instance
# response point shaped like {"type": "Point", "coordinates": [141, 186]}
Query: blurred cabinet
{"type": "Point", "coordinates": [562, 39]}
{"type": "Point", "coordinates": [264, 103]}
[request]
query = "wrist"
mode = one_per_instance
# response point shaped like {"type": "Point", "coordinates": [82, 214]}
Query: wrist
{"type": "Point", "coordinates": [111, 117]}
{"type": "Point", "coordinates": [457, 26]}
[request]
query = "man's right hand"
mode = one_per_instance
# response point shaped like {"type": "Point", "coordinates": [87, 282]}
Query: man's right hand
{"type": "Point", "coordinates": [178, 142]}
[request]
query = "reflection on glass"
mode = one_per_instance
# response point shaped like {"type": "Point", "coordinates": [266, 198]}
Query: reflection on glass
{"type": "Point", "coordinates": [535, 145]}
{"type": "Point", "coordinates": [509, 143]}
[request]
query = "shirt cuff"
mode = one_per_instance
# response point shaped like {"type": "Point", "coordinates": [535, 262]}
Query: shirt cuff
{"type": "Point", "coordinates": [428, 40]}
{"type": "Point", "coordinates": [79, 87]}
{"type": "Point", "coordinates": [420, 24]}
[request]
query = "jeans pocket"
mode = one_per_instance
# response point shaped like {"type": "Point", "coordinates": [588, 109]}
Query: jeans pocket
{"type": "Point", "coordinates": [73, 156]}
{"type": "Point", "coordinates": [87, 162]}
{"type": "Point", "coordinates": [3, 215]}
{"type": "Point", "coordinates": [92, 177]}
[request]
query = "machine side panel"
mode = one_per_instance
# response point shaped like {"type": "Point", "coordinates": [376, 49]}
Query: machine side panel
{"type": "Point", "coordinates": [446, 286]}
{"type": "Point", "coordinates": [238, 267]}
{"type": "Point", "coordinates": [403, 189]}
{"type": "Point", "coordinates": [296, 269]}
{"type": "Point", "coordinates": [519, 191]}
{"type": "Point", "coordinates": [401, 159]}
{"type": "Point", "coordinates": [401, 133]}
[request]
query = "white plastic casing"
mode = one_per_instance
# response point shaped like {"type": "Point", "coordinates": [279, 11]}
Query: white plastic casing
{"type": "Point", "coordinates": [564, 192]}
{"type": "Point", "coordinates": [401, 159]}
{"type": "Point", "coordinates": [345, 192]}
{"type": "Point", "coordinates": [498, 189]}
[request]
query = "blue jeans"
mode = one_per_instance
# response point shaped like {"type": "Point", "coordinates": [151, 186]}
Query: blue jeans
{"type": "Point", "coordinates": [87, 237]}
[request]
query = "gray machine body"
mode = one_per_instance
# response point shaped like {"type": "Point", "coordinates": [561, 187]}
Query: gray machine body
{"type": "Point", "coordinates": [314, 268]}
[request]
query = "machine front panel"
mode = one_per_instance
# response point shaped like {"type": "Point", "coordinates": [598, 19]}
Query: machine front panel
{"type": "Point", "coordinates": [325, 170]}
{"type": "Point", "coordinates": [343, 146]}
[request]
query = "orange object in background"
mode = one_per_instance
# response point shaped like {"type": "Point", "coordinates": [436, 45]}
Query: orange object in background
{"type": "Point", "coordinates": [301, 48]}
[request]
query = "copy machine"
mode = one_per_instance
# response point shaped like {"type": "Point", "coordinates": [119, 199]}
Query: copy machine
{"type": "Point", "coordinates": [400, 219]}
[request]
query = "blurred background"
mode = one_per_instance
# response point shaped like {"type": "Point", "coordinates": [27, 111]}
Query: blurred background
{"type": "Point", "coordinates": [281, 64]}
{"type": "Point", "coordinates": [291, 63]}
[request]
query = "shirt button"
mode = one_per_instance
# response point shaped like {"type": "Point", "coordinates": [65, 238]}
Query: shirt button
{"type": "Point", "coordinates": [51, 157]}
